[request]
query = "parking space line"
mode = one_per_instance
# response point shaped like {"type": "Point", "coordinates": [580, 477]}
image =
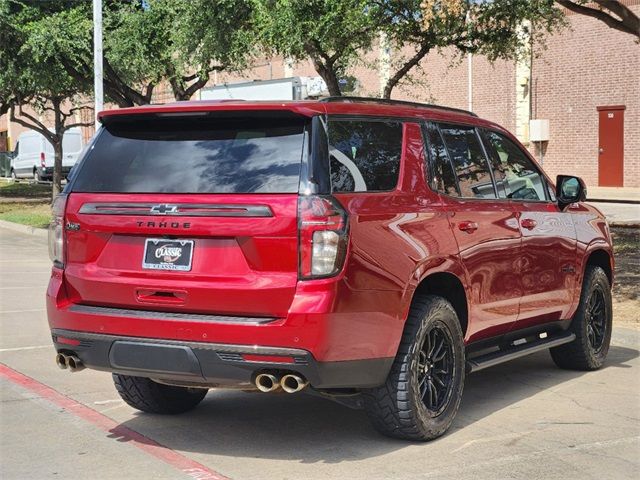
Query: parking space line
{"type": "Point", "coordinates": [187, 466]}
{"type": "Point", "coordinates": [18, 349]}
{"type": "Point", "coordinates": [2, 312]}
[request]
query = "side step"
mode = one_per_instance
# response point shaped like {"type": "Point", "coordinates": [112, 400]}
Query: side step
{"type": "Point", "coordinates": [501, 356]}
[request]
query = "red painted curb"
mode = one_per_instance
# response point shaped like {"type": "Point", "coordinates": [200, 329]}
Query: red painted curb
{"type": "Point", "coordinates": [184, 464]}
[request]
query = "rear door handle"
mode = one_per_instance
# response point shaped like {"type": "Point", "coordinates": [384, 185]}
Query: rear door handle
{"type": "Point", "coordinates": [468, 226]}
{"type": "Point", "coordinates": [528, 223]}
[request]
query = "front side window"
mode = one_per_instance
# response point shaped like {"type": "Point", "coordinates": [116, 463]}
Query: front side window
{"type": "Point", "coordinates": [442, 177]}
{"type": "Point", "coordinates": [516, 175]}
{"type": "Point", "coordinates": [364, 155]}
{"type": "Point", "coordinates": [469, 162]}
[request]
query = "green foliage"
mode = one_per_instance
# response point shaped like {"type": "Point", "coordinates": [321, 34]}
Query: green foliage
{"type": "Point", "coordinates": [332, 33]}
{"type": "Point", "coordinates": [32, 72]}
{"type": "Point", "coordinates": [495, 29]}
{"type": "Point", "coordinates": [28, 70]}
{"type": "Point", "coordinates": [216, 34]}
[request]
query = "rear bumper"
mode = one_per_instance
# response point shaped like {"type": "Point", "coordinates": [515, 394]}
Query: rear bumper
{"type": "Point", "coordinates": [213, 364]}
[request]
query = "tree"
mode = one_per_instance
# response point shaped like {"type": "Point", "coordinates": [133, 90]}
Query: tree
{"type": "Point", "coordinates": [150, 41]}
{"type": "Point", "coordinates": [613, 13]}
{"type": "Point", "coordinates": [210, 35]}
{"type": "Point", "coordinates": [331, 33]}
{"type": "Point", "coordinates": [495, 29]}
{"type": "Point", "coordinates": [29, 75]}
{"type": "Point", "coordinates": [334, 34]}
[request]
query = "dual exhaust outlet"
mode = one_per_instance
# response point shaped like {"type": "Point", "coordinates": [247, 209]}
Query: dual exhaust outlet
{"type": "Point", "coordinates": [71, 362]}
{"type": "Point", "coordinates": [290, 383]}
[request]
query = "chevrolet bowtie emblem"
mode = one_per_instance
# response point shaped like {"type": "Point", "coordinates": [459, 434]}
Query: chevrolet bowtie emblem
{"type": "Point", "coordinates": [164, 209]}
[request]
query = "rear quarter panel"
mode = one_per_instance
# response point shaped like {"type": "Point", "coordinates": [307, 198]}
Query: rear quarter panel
{"type": "Point", "coordinates": [396, 239]}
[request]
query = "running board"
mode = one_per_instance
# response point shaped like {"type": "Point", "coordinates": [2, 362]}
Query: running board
{"type": "Point", "coordinates": [501, 356]}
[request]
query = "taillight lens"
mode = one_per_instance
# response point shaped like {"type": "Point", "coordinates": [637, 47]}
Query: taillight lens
{"type": "Point", "coordinates": [42, 162]}
{"type": "Point", "coordinates": [322, 224]}
{"type": "Point", "coordinates": [56, 231]}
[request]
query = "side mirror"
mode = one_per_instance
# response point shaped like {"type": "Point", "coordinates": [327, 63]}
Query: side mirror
{"type": "Point", "coordinates": [570, 189]}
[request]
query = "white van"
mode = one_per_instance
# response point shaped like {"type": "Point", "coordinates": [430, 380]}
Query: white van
{"type": "Point", "coordinates": [33, 157]}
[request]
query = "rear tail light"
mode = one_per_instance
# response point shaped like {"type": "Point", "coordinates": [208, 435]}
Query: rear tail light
{"type": "Point", "coordinates": [56, 231]}
{"type": "Point", "coordinates": [322, 225]}
{"type": "Point", "coordinates": [42, 163]}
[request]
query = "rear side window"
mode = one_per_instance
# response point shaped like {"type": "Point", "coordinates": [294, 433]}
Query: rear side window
{"type": "Point", "coordinates": [515, 174]}
{"type": "Point", "coordinates": [195, 155]}
{"type": "Point", "coordinates": [364, 155]}
{"type": "Point", "coordinates": [443, 179]}
{"type": "Point", "coordinates": [469, 162]}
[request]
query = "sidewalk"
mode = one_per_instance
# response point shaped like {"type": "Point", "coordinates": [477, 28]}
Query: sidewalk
{"type": "Point", "coordinates": [613, 194]}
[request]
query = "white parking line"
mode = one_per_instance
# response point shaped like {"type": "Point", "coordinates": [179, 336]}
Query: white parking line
{"type": "Point", "coordinates": [23, 311]}
{"type": "Point", "coordinates": [17, 349]}
{"type": "Point", "coordinates": [16, 288]}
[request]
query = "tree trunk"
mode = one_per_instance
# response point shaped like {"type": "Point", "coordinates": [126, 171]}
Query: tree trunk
{"type": "Point", "coordinates": [57, 146]}
{"type": "Point", "coordinates": [328, 74]}
{"type": "Point", "coordinates": [57, 167]}
{"type": "Point", "coordinates": [404, 70]}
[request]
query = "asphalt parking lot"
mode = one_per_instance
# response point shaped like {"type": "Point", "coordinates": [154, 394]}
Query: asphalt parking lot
{"type": "Point", "coordinates": [522, 420]}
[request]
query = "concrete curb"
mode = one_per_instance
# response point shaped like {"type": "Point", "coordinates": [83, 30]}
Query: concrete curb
{"type": "Point", "coordinates": [16, 227]}
{"type": "Point", "coordinates": [625, 224]}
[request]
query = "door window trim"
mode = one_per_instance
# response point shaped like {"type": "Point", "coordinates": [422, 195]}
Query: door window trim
{"type": "Point", "coordinates": [484, 152]}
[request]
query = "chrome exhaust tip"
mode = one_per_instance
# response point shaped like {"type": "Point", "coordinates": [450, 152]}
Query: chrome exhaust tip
{"type": "Point", "coordinates": [265, 382]}
{"type": "Point", "coordinates": [61, 361]}
{"type": "Point", "coordinates": [293, 383]}
{"type": "Point", "coordinates": [74, 363]}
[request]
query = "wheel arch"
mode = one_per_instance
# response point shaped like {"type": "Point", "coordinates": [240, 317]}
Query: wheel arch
{"type": "Point", "coordinates": [450, 287]}
{"type": "Point", "coordinates": [601, 258]}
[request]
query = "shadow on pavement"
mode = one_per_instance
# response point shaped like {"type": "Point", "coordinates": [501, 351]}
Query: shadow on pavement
{"type": "Point", "coordinates": [310, 429]}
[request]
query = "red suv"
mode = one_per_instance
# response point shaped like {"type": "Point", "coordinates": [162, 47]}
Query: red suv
{"type": "Point", "coordinates": [371, 252]}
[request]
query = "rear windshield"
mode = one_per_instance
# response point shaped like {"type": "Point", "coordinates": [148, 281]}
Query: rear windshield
{"type": "Point", "coordinates": [195, 155]}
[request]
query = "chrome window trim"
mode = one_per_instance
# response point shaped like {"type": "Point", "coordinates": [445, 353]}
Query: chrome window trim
{"type": "Point", "coordinates": [180, 210]}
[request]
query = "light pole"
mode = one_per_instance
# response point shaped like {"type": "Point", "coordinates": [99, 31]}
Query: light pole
{"type": "Point", "coordinates": [97, 59]}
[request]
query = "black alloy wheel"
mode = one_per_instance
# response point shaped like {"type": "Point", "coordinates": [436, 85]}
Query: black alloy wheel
{"type": "Point", "coordinates": [435, 370]}
{"type": "Point", "coordinates": [596, 319]}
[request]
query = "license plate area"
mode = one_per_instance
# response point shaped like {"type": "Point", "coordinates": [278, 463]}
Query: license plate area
{"type": "Point", "coordinates": [164, 254]}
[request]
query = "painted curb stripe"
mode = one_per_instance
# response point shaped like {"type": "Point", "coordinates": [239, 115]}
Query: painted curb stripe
{"type": "Point", "coordinates": [189, 467]}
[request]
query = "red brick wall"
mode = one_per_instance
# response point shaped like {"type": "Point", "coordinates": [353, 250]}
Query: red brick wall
{"type": "Point", "coordinates": [586, 66]}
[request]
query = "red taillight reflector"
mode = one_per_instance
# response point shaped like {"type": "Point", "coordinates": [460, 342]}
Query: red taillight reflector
{"type": "Point", "coordinates": [68, 341]}
{"type": "Point", "coordinates": [322, 227]}
{"type": "Point", "coordinates": [56, 231]}
{"type": "Point", "coordinates": [267, 358]}
{"type": "Point", "coordinates": [42, 163]}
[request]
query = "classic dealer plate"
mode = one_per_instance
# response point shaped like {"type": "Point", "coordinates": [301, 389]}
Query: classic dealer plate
{"type": "Point", "coordinates": [163, 254]}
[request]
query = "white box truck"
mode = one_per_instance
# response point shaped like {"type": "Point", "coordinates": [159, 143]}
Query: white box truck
{"type": "Point", "coordinates": [294, 88]}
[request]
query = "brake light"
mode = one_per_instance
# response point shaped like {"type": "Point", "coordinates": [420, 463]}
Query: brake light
{"type": "Point", "coordinates": [42, 163]}
{"type": "Point", "coordinates": [56, 231]}
{"type": "Point", "coordinates": [322, 226]}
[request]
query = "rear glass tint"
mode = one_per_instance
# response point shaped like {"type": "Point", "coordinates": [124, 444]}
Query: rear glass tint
{"type": "Point", "coordinates": [195, 155]}
{"type": "Point", "coordinates": [364, 155]}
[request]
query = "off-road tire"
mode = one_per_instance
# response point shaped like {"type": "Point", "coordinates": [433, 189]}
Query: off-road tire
{"type": "Point", "coordinates": [396, 409]}
{"type": "Point", "coordinates": [152, 397]}
{"type": "Point", "coordinates": [580, 354]}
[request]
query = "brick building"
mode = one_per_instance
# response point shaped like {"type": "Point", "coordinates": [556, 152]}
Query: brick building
{"type": "Point", "coordinates": [586, 84]}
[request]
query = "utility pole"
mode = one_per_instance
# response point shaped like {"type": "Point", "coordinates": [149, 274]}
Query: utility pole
{"type": "Point", "coordinates": [97, 59]}
{"type": "Point", "coordinates": [470, 82]}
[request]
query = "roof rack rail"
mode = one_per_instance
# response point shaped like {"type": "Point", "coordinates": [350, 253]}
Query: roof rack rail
{"type": "Point", "coordinates": [387, 101]}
